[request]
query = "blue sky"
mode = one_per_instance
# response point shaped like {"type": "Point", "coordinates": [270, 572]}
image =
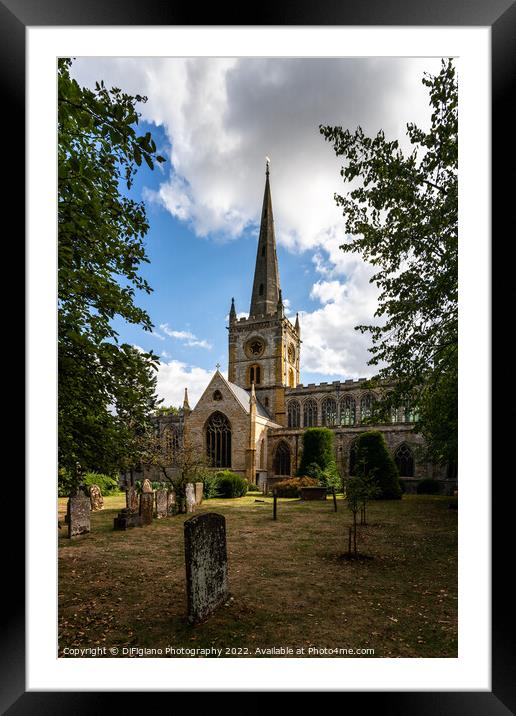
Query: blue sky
{"type": "Point", "coordinates": [215, 120]}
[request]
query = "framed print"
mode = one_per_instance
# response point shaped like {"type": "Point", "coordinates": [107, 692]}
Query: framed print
{"type": "Point", "coordinates": [232, 418]}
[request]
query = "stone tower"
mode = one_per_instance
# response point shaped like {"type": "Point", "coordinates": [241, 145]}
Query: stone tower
{"type": "Point", "coordinates": [264, 348]}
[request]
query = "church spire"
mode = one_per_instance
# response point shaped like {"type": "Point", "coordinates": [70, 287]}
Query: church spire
{"type": "Point", "coordinates": [266, 286]}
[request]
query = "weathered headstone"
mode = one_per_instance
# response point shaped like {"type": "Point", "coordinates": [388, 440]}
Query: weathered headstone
{"type": "Point", "coordinates": [96, 499]}
{"type": "Point", "coordinates": [131, 499]}
{"type": "Point", "coordinates": [126, 519]}
{"type": "Point", "coordinates": [206, 564]}
{"type": "Point", "coordinates": [78, 514]}
{"type": "Point", "coordinates": [190, 497]}
{"type": "Point", "coordinates": [171, 503]}
{"type": "Point", "coordinates": [161, 504]}
{"type": "Point", "coordinates": [146, 507]}
{"type": "Point", "coordinates": [146, 487]}
{"type": "Point", "coordinates": [199, 487]}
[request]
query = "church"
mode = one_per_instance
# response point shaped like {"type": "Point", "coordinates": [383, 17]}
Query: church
{"type": "Point", "coordinates": [253, 422]}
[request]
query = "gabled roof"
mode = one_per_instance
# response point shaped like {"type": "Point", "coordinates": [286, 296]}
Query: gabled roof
{"type": "Point", "coordinates": [244, 398]}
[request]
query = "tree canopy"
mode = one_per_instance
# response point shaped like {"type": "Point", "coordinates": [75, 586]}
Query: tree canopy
{"type": "Point", "coordinates": [401, 216]}
{"type": "Point", "coordinates": [104, 388]}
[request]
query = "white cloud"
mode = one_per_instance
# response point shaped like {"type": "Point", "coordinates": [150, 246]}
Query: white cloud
{"type": "Point", "coordinates": [189, 339]}
{"type": "Point", "coordinates": [175, 376]}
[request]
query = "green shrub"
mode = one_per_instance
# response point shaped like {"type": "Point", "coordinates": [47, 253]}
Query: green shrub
{"type": "Point", "coordinates": [229, 484]}
{"type": "Point", "coordinates": [318, 449]}
{"type": "Point", "coordinates": [64, 483]}
{"type": "Point", "coordinates": [291, 486]}
{"type": "Point", "coordinates": [327, 477]}
{"type": "Point", "coordinates": [428, 487]}
{"type": "Point", "coordinates": [108, 485]}
{"type": "Point", "coordinates": [209, 480]}
{"type": "Point", "coordinates": [375, 460]}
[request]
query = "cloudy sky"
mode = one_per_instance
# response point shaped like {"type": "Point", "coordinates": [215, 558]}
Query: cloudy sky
{"type": "Point", "coordinates": [215, 120]}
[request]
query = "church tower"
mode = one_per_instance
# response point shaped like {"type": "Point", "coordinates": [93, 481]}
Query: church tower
{"type": "Point", "coordinates": [264, 348]}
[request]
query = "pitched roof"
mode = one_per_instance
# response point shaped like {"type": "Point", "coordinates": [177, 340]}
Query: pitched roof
{"type": "Point", "coordinates": [244, 398]}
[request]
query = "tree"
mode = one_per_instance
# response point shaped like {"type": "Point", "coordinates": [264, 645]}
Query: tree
{"type": "Point", "coordinates": [375, 461]}
{"type": "Point", "coordinates": [317, 448]}
{"type": "Point", "coordinates": [401, 216]}
{"type": "Point", "coordinates": [100, 251]}
{"type": "Point", "coordinates": [358, 491]}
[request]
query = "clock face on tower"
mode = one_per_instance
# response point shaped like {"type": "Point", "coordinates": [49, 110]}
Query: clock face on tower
{"type": "Point", "coordinates": [255, 347]}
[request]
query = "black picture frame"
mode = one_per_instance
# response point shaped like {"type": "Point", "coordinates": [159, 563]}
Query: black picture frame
{"type": "Point", "coordinates": [500, 15]}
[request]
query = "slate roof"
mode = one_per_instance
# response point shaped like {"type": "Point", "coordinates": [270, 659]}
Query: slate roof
{"type": "Point", "coordinates": [244, 398]}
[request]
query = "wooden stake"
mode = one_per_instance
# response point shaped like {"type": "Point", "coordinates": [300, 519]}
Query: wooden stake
{"type": "Point", "coordinates": [334, 499]}
{"type": "Point", "coordinates": [275, 502]}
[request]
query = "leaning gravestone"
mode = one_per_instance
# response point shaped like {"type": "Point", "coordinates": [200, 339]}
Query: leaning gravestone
{"type": "Point", "coordinates": [190, 497]}
{"type": "Point", "coordinates": [146, 507]}
{"type": "Point", "coordinates": [146, 487]}
{"type": "Point", "coordinates": [206, 565]}
{"type": "Point", "coordinates": [96, 499]}
{"type": "Point", "coordinates": [171, 503]}
{"type": "Point", "coordinates": [199, 487]}
{"type": "Point", "coordinates": [131, 499]}
{"type": "Point", "coordinates": [126, 519]}
{"type": "Point", "coordinates": [161, 504]}
{"type": "Point", "coordinates": [78, 515]}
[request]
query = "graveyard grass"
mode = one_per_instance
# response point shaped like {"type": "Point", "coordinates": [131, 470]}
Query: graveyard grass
{"type": "Point", "coordinates": [289, 585]}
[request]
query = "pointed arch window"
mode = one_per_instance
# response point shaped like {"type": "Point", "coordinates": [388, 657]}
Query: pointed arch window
{"type": "Point", "coordinates": [411, 414]}
{"type": "Point", "coordinates": [348, 410]}
{"type": "Point", "coordinates": [404, 459]}
{"type": "Point", "coordinates": [282, 459]}
{"type": "Point", "coordinates": [218, 440]}
{"type": "Point", "coordinates": [366, 407]}
{"type": "Point", "coordinates": [255, 375]}
{"type": "Point", "coordinates": [294, 414]}
{"type": "Point", "coordinates": [329, 412]}
{"type": "Point", "coordinates": [309, 413]}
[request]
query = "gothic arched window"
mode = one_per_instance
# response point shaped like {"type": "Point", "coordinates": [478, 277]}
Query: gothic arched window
{"type": "Point", "coordinates": [218, 440]}
{"type": "Point", "coordinates": [309, 413]}
{"type": "Point", "coordinates": [404, 460]}
{"type": "Point", "coordinates": [329, 411]}
{"type": "Point", "coordinates": [366, 407]}
{"type": "Point", "coordinates": [411, 414]}
{"type": "Point", "coordinates": [348, 410]}
{"type": "Point", "coordinates": [352, 461]}
{"type": "Point", "coordinates": [255, 374]}
{"type": "Point", "coordinates": [294, 414]}
{"type": "Point", "coordinates": [282, 459]}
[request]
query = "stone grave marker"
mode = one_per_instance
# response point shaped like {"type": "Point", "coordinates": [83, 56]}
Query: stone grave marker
{"type": "Point", "coordinates": [126, 519]}
{"type": "Point", "coordinates": [146, 507]}
{"type": "Point", "coordinates": [147, 487]}
{"type": "Point", "coordinates": [190, 497]}
{"type": "Point", "coordinates": [131, 499]}
{"type": "Point", "coordinates": [78, 515]}
{"type": "Point", "coordinates": [171, 503]}
{"type": "Point", "coordinates": [161, 504]}
{"type": "Point", "coordinates": [206, 565]}
{"type": "Point", "coordinates": [96, 499]}
{"type": "Point", "coordinates": [199, 487]}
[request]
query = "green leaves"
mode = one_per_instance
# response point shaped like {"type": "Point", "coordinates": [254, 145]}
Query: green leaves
{"type": "Point", "coordinates": [103, 386]}
{"type": "Point", "coordinates": [401, 216]}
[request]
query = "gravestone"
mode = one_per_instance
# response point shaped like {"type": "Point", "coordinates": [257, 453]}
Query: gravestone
{"type": "Point", "coordinates": [190, 497]}
{"type": "Point", "coordinates": [96, 499]}
{"type": "Point", "coordinates": [131, 499]}
{"type": "Point", "coordinates": [171, 503]}
{"type": "Point", "coordinates": [146, 487]}
{"type": "Point", "coordinates": [206, 565]}
{"type": "Point", "coordinates": [199, 487]}
{"type": "Point", "coordinates": [161, 504]}
{"type": "Point", "coordinates": [146, 507]}
{"type": "Point", "coordinates": [78, 515]}
{"type": "Point", "coordinates": [126, 519]}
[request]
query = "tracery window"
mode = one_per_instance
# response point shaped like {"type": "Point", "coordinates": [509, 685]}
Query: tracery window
{"type": "Point", "coordinates": [218, 440]}
{"type": "Point", "coordinates": [255, 374]}
{"type": "Point", "coordinates": [309, 413]}
{"type": "Point", "coordinates": [411, 414]}
{"type": "Point", "coordinates": [282, 459]}
{"type": "Point", "coordinates": [348, 410]}
{"type": "Point", "coordinates": [329, 411]}
{"type": "Point", "coordinates": [294, 414]}
{"type": "Point", "coordinates": [404, 459]}
{"type": "Point", "coordinates": [366, 407]}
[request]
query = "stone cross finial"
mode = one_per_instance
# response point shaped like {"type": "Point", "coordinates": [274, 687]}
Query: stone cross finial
{"type": "Point", "coordinates": [217, 366]}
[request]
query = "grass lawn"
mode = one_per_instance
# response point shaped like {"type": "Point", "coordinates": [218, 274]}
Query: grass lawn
{"type": "Point", "coordinates": [289, 585]}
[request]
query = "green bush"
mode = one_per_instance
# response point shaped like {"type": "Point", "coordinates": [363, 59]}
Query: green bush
{"type": "Point", "coordinates": [291, 486]}
{"type": "Point", "coordinates": [108, 485]}
{"type": "Point", "coordinates": [210, 481]}
{"type": "Point", "coordinates": [318, 449]}
{"type": "Point", "coordinates": [428, 487]}
{"type": "Point", "coordinates": [375, 460]}
{"type": "Point", "coordinates": [229, 484]}
{"type": "Point", "coordinates": [328, 477]}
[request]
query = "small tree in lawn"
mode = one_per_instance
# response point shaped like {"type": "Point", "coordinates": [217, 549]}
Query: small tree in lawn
{"type": "Point", "coordinates": [359, 490]}
{"type": "Point", "coordinates": [189, 466]}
